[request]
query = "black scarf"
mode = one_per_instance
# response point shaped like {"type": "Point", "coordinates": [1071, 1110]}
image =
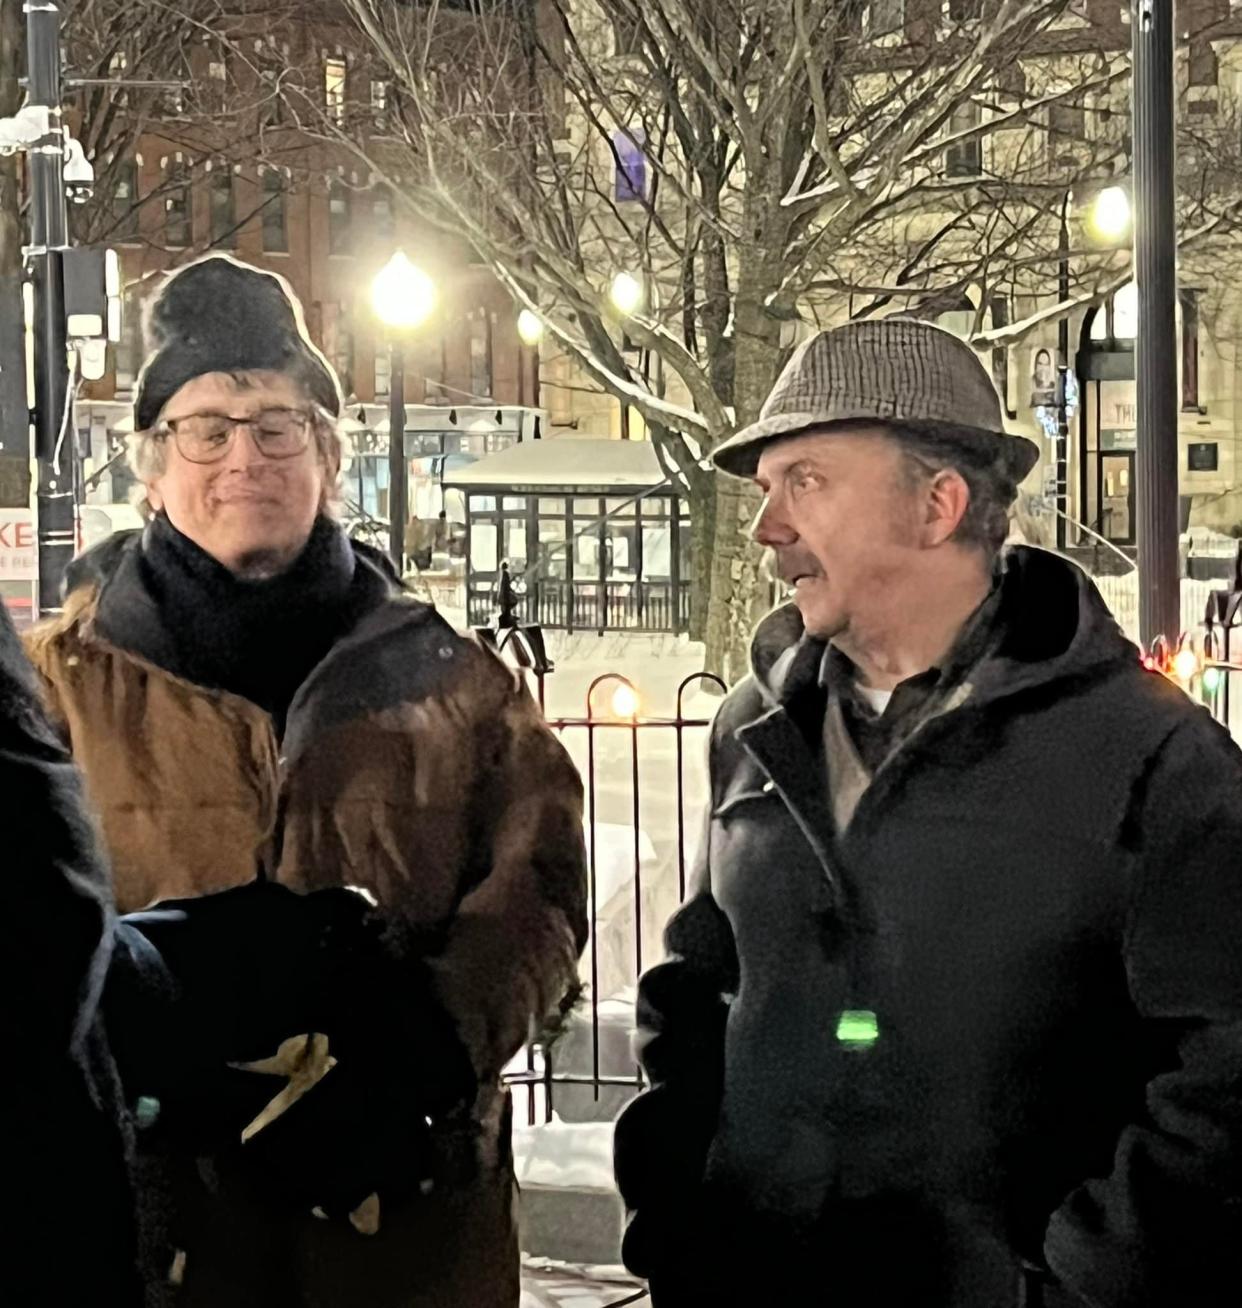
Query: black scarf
{"type": "Point", "coordinates": [173, 604]}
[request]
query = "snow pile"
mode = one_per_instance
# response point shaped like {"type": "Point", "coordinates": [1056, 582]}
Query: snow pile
{"type": "Point", "coordinates": [564, 1156]}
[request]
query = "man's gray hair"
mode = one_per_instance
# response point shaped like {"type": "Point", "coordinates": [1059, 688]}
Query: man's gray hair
{"type": "Point", "coordinates": [985, 524]}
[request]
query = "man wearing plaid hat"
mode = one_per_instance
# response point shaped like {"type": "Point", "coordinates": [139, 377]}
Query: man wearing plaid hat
{"type": "Point", "coordinates": [953, 1015]}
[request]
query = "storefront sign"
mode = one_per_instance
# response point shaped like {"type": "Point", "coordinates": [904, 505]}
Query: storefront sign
{"type": "Point", "coordinates": [19, 559]}
{"type": "Point", "coordinates": [1118, 438]}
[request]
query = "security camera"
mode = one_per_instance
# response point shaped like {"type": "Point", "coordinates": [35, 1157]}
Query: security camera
{"type": "Point", "coordinates": [28, 125]}
{"type": "Point", "coordinates": [79, 174]}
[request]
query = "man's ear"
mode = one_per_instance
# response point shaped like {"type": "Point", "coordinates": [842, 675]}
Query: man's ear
{"type": "Point", "coordinates": [945, 505]}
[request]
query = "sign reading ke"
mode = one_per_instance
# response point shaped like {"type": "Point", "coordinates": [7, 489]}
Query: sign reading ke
{"type": "Point", "coordinates": [19, 559]}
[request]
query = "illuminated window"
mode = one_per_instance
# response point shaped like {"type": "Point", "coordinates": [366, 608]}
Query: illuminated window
{"type": "Point", "coordinates": [334, 72]}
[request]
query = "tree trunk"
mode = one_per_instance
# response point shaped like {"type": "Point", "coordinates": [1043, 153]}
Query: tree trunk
{"type": "Point", "coordinates": [738, 595]}
{"type": "Point", "coordinates": [702, 537]}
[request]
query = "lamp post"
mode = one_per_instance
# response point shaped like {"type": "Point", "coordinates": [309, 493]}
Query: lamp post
{"type": "Point", "coordinates": [1155, 274]}
{"type": "Point", "coordinates": [49, 237]}
{"type": "Point", "coordinates": [403, 297]}
{"type": "Point", "coordinates": [1063, 282]}
{"type": "Point", "coordinates": [530, 333]}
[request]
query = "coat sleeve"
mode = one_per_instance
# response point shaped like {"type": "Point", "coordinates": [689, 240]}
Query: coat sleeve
{"type": "Point", "coordinates": [662, 1139]}
{"type": "Point", "coordinates": [66, 1161]}
{"type": "Point", "coordinates": [510, 958]}
{"type": "Point", "coordinates": [1165, 1226]}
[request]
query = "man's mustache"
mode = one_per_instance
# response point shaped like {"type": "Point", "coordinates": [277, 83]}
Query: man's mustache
{"type": "Point", "coordinates": [789, 567]}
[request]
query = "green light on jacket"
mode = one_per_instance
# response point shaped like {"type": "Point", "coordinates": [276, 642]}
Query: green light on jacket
{"type": "Point", "coordinates": [858, 1028]}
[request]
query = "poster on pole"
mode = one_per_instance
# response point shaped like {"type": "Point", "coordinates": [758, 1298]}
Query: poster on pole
{"type": "Point", "coordinates": [18, 555]}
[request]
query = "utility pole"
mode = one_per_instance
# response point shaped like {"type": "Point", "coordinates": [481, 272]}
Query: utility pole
{"type": "Point", "coordinates": [1063, 366]}
{"type": "Point", "coordinates": [398, 469]}
{"type": "Point", "coordinates": [49, 235]}
{"type": "Point", "coordinates": [1155, 267]}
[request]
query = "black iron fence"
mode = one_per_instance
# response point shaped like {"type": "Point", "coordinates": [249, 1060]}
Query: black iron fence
{"type": "Point", "coordinates": [1220, 680]}
{"type": "Point", "coordinates": [657, 606]}
{"type": "Point", "coordinates": [645, 781]}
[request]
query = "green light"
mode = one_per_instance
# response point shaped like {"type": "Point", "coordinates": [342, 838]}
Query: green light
{"type": "Point", "coordinates": [858, 1028]}
{"type": "Point", "coordinates": [146, 1112]}
{"type": "Point", "coordinates": [1211, 680]}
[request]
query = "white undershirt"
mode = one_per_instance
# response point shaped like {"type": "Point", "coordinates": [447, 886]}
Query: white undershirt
{"type": "Point", "coordinates": [878, 699]}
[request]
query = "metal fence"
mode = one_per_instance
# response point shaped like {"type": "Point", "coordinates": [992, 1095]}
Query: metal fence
{"type": "Point", "coordinates": [645, 782]}
{"type": "Point", "coordinates": [661, 606]}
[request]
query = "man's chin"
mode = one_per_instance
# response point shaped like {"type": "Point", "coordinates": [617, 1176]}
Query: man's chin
{"type": "Point", "coordinates": [818, 619]}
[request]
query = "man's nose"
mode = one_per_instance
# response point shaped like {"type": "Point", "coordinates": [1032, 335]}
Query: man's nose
{"type": "Point", "coordinates": [769, 527]}
{"type": "Point", "coordinates": [242, 453]}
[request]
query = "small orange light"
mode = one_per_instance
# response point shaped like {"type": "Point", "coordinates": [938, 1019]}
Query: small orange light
{"type": "Point", "coordinates": [1186, 665]}
{"type": "Point", "coordinates": [625, 702]}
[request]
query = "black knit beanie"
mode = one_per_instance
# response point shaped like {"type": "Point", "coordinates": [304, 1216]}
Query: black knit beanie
{"type": "Point", "coordinates": [221, 315]}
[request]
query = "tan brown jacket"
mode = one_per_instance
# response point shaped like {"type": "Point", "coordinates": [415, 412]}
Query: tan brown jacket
{"type": "Point", "coordinates": [414, 764]}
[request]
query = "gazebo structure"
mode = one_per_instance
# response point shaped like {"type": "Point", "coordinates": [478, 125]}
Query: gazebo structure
{"type": "Point", "coordinates": [595, 535]}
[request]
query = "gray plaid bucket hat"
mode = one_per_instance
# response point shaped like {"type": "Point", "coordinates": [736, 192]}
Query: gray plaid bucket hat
{"type": "Point", "coordinates": [891, 371]}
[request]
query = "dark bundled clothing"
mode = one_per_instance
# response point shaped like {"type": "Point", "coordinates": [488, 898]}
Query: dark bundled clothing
{"type": "Point", "coordinates": [70, 1237]}
{"type": "Point", "coordinates": [876, 735]}
{"type": "Point", "coordinates": [980, 1045]}
{"type": "Point", "coordinates": [173, 604]}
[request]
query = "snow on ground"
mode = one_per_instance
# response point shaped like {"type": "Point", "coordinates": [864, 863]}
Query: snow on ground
{"type": "Point", "coordinates": [547, 1284]}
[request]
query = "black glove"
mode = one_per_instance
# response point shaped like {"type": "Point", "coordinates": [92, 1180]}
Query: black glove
{"type": "Point", "coordinates": [199, 986]}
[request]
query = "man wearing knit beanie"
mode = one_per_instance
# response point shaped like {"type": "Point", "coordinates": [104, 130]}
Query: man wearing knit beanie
{"type": "Point", "coordinates": [251, 698]}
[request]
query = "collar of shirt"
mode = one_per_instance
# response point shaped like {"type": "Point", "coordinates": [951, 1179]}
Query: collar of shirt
{"type": "Point", "coordinates": [838, 674]}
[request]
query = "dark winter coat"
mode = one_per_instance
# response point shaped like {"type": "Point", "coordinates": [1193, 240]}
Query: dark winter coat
{"type": "Point", "coordinates": [414, 765]}
{"type": "Point", "coordinates": [69, 1237]}
{"type": "Point", "coordinates": [1039, 899]}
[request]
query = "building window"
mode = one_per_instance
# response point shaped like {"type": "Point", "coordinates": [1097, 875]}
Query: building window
{"type": "Point", "coordinates": [177, 227]}
{"type": "Point", "coordinates": [1189, 302]}
{"type": "Point", "coordinates": [381, 216]}
{"type": "Point", "coordinates": [964, 158]}
{"type": "Point", "coordinates": [341, 353]}
{"type": "Point", "coordinates": [383, 371]}
{"type": "Point", "coordinates": [963, 11]}
{"type": "Point", "coordinates": [125, 200]}
{"type": "Point", "coordinates": [338, 217]}
{"type": "Point", "coordinates": [217, 84]}
{"type": "Point", "coordinates": [118, 66]}
{"type": "Point", "coordinates": [480, 355]}
{"type": "Point", "coordinates": [884, 17]}
{"type": "Point", "coordinates": [999, 306]}
{"type": "Point", "coordinates": [127, 352]}
{"type": "Point", "coordinates": [223, 210]}
{"type": "Point", "coordinates": [1066, 128]}
{"type": "Point", "coordinates": [334, 76]}
{"type": "Point", "coordinates": [379, 105]}
{"type": "Point", "coordinates": [1202, 75]}
{"type": "Point", "coordinates": [627, 36]}
{"type": "Point", "coordinates": [1203, 69]}
{"type": "Point", "coordinates": [275, 234]}
{"type": "Point", "coordinates": [631, 165]}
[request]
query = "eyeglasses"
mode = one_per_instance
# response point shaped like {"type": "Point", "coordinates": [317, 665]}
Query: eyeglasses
{"type": "Point", "coordinates": [208, 437]}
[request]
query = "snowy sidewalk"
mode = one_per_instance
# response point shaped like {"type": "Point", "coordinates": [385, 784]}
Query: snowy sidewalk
{"type": "Point", "coordinates": [559, 1285]}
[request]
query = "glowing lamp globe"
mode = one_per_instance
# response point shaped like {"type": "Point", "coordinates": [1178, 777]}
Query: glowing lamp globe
{"type": "Point", "coordinates": [626, 292]}
{"type": "Point", "coordinates": [402, 294]}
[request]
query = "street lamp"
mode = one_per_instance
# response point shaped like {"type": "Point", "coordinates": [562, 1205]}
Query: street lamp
{"type": "Point", "coordinates": [1109, 218]}
{"type": "Point", "coordinates": [530, 333]}
{"type": "Point", "coordinates": [626, 292]}
{"type": "Point", "coordinates": [403, 297]}
{"type": "Point", "coordinates": [530, 327]}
